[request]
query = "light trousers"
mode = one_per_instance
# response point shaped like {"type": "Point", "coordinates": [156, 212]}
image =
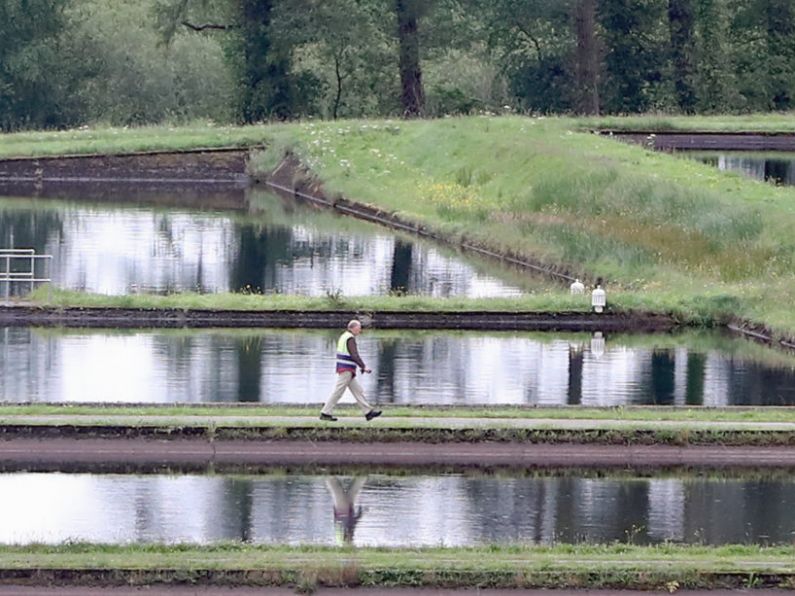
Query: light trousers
{"type": "Point", "coordinates": [346, 380]}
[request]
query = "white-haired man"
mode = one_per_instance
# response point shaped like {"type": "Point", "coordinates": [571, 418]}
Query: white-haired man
{"type": "Point", "coordinates": [347, 360]}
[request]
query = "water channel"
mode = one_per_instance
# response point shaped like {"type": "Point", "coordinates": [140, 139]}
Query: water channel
{"type": "Point", "coordinates": [385, 510]}
{"type": "Point", "coordinates": [775, 167]}
{"type": "Point", "coordinates": [238, 239]}
{"type": "Point", "coordinates": [409, 367]}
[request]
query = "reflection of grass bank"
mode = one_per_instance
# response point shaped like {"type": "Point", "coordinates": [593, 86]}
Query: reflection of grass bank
{"type": "Point", "coordinates": [562, 566]}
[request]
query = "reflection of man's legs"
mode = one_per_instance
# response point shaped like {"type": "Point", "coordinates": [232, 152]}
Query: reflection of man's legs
{"type": "Point", "coordinates": [337, 493]}
{"type": "Point", "coordinates": [343, 379]}
{"type": "Point", "coordinates": [358, 393]}
{"type": "Point", "coordinates": [356, 487]}
{"type": "Point", "coordinates": [344, 499]}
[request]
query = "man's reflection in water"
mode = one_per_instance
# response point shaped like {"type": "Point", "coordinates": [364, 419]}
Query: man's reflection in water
{"type": "Point", "coordinates": [346, 513]}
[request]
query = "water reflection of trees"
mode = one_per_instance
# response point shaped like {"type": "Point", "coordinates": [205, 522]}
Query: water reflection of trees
{"type": "Point", "coordinates": [423, 368]}
{"type": "Point", "coordinates": [401, 510]}
{"type": "Point", "coordinates": [29, 229]}
{"type": "Point", "coordinates": [114, 249]}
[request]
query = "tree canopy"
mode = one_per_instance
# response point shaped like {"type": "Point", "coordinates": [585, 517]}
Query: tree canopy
{"type": "Point", "coordinates": [143, 61]}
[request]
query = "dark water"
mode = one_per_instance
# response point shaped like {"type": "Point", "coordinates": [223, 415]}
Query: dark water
{"type": "Point", "coordinates": [443, 367]}
{"type": "Point", "coordinates": [382, 510]}
{"type": "Point", "coordinates": [777, 168]}
{"type": "Point", "coordinates": [247, 240]}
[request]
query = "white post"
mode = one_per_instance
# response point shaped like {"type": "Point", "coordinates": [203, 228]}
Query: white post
{"type": "Point", "coordinates": [598, 299]}
{"type": "Point", "coordinates": [8, 276]}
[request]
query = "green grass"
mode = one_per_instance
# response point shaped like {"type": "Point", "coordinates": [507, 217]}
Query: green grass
{"type": "Point", "coordinates": [551, 301]}
{"type": "Point", "coordinates": [669, 234]}
{"type": "Point", "coordinates": [104, 140]}
{"type": "Point", "coordinates": [707, 309]}
{"type": "Point", "coordinates": [614, 565]}
{"type": "Point", "coordinates": [433, 414]}
{"type": "Point", "coordinates": [765, 123]}
{"type": "Point", "coordinates": [669, 231]}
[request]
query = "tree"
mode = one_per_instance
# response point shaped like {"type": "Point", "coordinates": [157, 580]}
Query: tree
{"type": "Point", "coordinates": [266, 89]}
{"type": "Point", "coordinates": [635, 52]}
{"type": "Point", "coordinates": [412, 95]}
{"type": "Point", "coordinates": [534, 41]}
{"type": "Point", "coordinates": [681, 26]}
{"type": "Point", "coordinates": [780, 22]}
{"type": "Point", "coordinates": [346, 48]}
{"type": "Point", "coordinates": [29, 38]}
{"type": "Point", "coordinates": [714, 76]}
{"type": "Point", "coordinates": [586, 58]}
{"type": "Point", "coordinates": [126, 77]}
{"type": "Point", "coordinates": [763, 40]}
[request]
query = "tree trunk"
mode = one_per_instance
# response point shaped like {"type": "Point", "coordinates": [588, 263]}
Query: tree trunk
{"type": "Point", "coordinates": [680, 23]}
{"type": "Point", "coordinates": [266, 85]}
{"type": "Point", "coordinates": [587, 58]}
{"type": "Point", "coordinates": [412, 96]}
{"type": "Point", "coordinates": [781, 52]}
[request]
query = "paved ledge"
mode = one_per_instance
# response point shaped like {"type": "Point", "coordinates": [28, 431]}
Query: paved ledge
{"type": "Point", "coordinates": [12, 316]}
{"type": "Point", "coordinates": [707, 141]}
{"type": "Point", "coordinates": [69, 454]}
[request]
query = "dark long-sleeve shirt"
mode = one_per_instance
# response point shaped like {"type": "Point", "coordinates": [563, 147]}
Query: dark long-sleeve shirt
{"type": "Point", "coordinates": [354, 352]}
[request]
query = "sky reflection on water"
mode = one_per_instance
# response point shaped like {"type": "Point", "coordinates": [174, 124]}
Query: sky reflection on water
{"type": "Point", "coordinates": [444, 367]}
{"type": "Point", "coordinates": [380, 510]}
{"type": "Point", "coordinates": [270, 246]}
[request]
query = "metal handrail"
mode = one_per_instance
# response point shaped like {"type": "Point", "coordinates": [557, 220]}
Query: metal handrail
{"type": "Point", "coordinates": [27, 255]}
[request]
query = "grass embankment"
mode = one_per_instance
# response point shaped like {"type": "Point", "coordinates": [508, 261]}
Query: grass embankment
{"type": "Point", "coordinates": [433, 414]}
{"type": "Point", "coordinates": [669, 235]}
{"type": "Point", "coordinates": [780, 122]}
{"type": "Point", "coordinates": [666, 232]}
{"type": "Point", "coordinates": [544, 302]}
{"type": "Point", "coordinates": [574, 566]}
{"type": "Point", "coordinates": [619, 426]}
{"type": "Point", "coordinates": [107, 140]}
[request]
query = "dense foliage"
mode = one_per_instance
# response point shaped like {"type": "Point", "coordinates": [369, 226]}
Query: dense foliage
{"type": "Point", "coordinates": [143, 61]}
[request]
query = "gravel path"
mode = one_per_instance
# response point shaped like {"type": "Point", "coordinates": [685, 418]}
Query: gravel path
{"type": "Point", "coordinates": [69, 454]}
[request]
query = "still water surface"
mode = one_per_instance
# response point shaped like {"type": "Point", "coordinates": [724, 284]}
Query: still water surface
{"type": "Point", "coordinates": [409, 367]}
{"type": "Point", "coordinates": [382, 510]}
{"type": "Point", "coordinates": [265, 244]}
{"type": "Point", "coordinates": [778, 168]}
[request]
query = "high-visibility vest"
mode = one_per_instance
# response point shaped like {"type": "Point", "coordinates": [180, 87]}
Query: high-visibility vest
{"type": "Point", "coordinates": [345, 361]}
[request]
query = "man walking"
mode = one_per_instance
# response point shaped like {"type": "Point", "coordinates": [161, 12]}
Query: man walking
{"type": "Point", "coordinates": [347, 360]}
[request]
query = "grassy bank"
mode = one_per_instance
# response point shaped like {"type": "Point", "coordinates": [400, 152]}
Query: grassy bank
{"type": "Point", "coordinates": [258, 414]}
{"type": "Point", "coordinates": [574, 566]}
{"type": "Point", "coordinates": [669, 234]}
{"type": "Point", "coordinates": [706, 309]}
{"type": "Point", "coordinates": [660, 228]}
{"type": "Point", "coordinates": [611, 426]}
{"type": "Point", "coordinates": [104, 140]}
{"type": "Point", "coordinates": [761, 123]}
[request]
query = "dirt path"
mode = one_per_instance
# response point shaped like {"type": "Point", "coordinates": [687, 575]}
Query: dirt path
{"type": "Point", "coordinates": [414, 422]}
{"type": "Point", "coordinates": [246, 591]}
{"type": "Point", "coordinates": [75, 454]}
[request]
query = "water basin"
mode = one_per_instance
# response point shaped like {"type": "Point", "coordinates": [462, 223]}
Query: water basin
{"type": "Point", "coordinates": [409, 367]}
